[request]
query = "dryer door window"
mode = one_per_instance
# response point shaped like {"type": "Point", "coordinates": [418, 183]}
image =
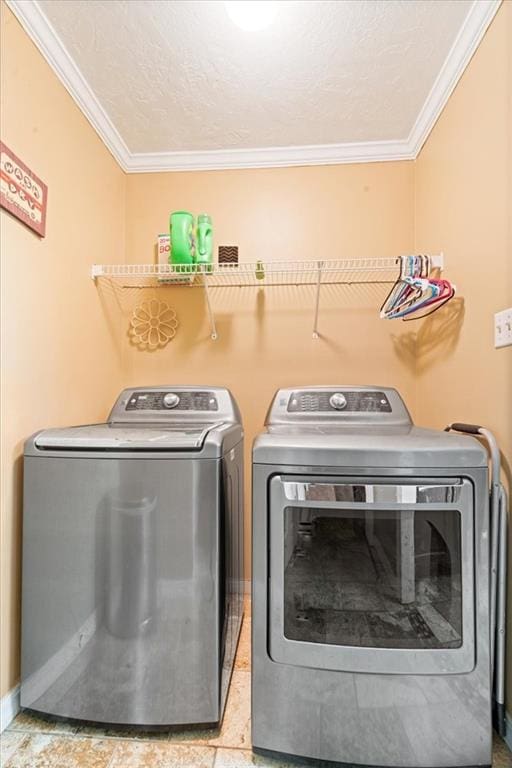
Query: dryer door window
{"type": "Point", "coordinates": [376, 579]}
{"type": "Point", "coordinates": [361, 573]}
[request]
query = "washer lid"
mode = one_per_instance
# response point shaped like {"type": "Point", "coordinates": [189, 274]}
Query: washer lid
{"type": "Point", "coordinates": [126, 437]}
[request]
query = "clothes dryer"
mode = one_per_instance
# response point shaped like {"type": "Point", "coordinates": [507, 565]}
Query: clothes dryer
{"type": "Point", "coordinates": [370, 584]}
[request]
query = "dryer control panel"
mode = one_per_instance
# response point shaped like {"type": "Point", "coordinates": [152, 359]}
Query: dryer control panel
{"type": "Point", "coordinates": [336, 400]}
{"type": "Point", "coordinates": [338, 404]}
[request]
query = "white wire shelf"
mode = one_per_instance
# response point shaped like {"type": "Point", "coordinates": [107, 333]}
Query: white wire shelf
{"type": "Point", "coordinates": [353, 271]}
{"type": "Point", "coordinates": [258, 274]}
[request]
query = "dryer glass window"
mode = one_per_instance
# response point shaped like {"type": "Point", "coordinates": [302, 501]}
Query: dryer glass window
{"type": "Point", "coordinates": [380, 579]}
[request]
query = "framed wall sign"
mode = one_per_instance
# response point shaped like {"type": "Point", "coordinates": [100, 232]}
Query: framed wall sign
{"type": "Point", "coordinates": [22, 193]}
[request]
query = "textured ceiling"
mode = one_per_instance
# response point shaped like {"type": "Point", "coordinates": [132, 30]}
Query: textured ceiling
{"type": "Point", "coordinates": [180, 76]}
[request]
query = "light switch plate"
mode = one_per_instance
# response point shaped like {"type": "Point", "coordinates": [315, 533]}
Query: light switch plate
{"type": "Point", "coordinates": [503, 328]}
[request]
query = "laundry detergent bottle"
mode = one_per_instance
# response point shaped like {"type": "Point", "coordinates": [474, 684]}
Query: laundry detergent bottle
{"type": "Point", "coordinates": [182, 239]}
{"type": "Point", "coordinates": [204, 241]}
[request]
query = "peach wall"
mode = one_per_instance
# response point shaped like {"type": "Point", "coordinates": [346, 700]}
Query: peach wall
{"type": "Point", "coordinates": [265, 339]}
{"type": "Point", "coordinates": [60, 353]}
{"type": "Point", "coordinates": [464, 206]}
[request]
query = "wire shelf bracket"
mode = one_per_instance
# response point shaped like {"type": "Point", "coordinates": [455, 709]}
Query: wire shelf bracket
{"type": "Point", "coordinates": [211, 316]}
{"type": "Point", "coordinates": [317, 300]}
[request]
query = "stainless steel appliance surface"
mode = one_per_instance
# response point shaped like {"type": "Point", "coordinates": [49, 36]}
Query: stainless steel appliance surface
{"type": "Point", "coordinates": [132, 584]}
{"type": "Point", "coordinates": [370, 546]}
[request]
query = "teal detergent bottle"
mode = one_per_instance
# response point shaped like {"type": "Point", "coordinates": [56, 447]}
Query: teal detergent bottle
{"type": "Point", "coordinates": [204, 242]}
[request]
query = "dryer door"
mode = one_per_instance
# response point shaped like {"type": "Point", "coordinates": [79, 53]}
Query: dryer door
{"type": "Point", "coordinates": [372, 575]}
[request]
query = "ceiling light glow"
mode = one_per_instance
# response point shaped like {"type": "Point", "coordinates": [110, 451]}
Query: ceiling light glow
{"type": "Point", "coordinates": [251, 15]}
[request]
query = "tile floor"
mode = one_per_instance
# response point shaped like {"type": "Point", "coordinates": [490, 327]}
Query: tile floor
{"type": "Point", "coordinates": [30, 742]}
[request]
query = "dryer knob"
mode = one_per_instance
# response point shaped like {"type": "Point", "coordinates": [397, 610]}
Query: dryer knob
{"type": "Point", "coordinates": [338, 401]}
{"type": "Point", "coordinates": [171, 400]}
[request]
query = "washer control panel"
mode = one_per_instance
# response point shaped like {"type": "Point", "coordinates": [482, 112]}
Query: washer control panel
{"type": "Point", "coordinates": [167, 401]}
{"type": "Point", "coordinates": [324, 401]}
{"type": "Point", "coordinates": [178, 404]}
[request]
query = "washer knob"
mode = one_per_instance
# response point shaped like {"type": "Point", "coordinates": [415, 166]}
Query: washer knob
{"type": "Point", "coordinates": [171, 400]}
{"type": "Point", "coordinates": [338, 401]}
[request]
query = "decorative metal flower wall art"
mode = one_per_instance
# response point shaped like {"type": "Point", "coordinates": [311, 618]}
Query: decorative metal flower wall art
{"type": "Point", "coordinates": [153, 324]}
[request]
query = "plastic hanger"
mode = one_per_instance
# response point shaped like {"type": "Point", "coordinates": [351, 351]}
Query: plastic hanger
{"type": "Point", "coordinates": [415, 291]}
{"type": "Point", "coordinates": [410, 267]}
{"type": "Point", "coordinates": [446, 293]}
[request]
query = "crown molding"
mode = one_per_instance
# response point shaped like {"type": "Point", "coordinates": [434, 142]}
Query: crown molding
{"type": "Point", "coordinates": [42, 33]}
{"type": "Point", "coordinates": [40, 30]}
{"type": "Point", "coordinates": [269, 157]}
{"type": "Point", "coordinates": [464, 46]}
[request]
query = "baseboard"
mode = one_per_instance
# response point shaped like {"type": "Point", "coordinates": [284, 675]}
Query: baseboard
{"type": "Point", "coordinates": [508, 733]}
{"type": "Point", "coordinates": [10, 706]}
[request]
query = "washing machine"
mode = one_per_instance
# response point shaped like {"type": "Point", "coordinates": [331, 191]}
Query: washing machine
{"type": "Point", "coordinates": [370, 584]}
{"type": "Point", "coordinates": [132, 582]}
